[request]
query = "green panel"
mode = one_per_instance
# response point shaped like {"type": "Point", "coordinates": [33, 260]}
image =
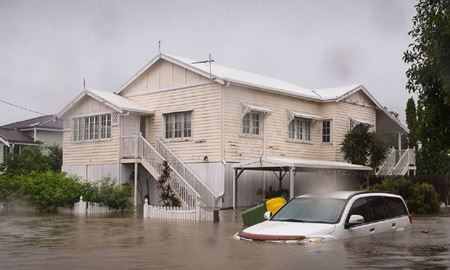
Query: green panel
{"type": "Point", "coordinates": [254, 215]}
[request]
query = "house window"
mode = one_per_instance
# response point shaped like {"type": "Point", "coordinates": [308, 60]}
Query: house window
{"type": "Point", "coordinates": [252, 123]}
{"type": "Point", "coordinates": [300, 129]}
{"type": "Point", "coordinates": [178, 125]}
{"type": "Point", "coordinates": [326, 131]}
{"type": "Point", "coordinates": [92, 127]}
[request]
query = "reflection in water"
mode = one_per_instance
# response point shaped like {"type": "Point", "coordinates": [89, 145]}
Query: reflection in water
{"type": "Point", "coordinates": [31, 241]}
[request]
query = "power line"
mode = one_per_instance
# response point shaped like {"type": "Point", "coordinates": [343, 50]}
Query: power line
{"type": "Point", "coordinates": [20, 107]}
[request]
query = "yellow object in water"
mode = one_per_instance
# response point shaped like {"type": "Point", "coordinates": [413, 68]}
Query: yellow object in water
{"type": "Point", "coordinates": [274, 204]}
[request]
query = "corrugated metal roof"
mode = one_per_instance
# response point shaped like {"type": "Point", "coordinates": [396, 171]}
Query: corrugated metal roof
{"type": "Point", "coordinates": [14, 136]}
{"type": "Point", "coordinates": [223, 75]}
{"type": "Point", "coordinates": [277, 162]}
{"type": "Point", "coordinates": [120, 102]}
{"type": "Point", "coordinates": [247, 78]}
{"type": "Point", "coordinates": [115, 101]}
{"type": "Point", "coordinates": [45, 121]}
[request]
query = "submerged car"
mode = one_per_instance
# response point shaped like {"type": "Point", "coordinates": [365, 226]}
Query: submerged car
{"type": "Point", "coordinates": [338, 215]}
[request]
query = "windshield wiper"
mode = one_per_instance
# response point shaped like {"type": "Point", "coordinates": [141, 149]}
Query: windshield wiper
{"type": "Point", "coordinates": [289, 220]}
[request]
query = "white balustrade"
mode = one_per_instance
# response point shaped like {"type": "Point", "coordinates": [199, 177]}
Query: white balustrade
{"type": "Point", "coordinates": [209, 197]}
{"type": "Point", "coordinates": [143, 150]}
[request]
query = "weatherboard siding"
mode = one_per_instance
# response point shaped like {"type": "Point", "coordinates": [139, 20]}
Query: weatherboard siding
{"type": "Point", "coordinates": [89, 152]}
{"type": "Point", "coordinates": [356, 106]}
{"type": "Point", "coordinates": [240, 147]}
{"type": "Point", "coordinates": [163, 75]}
{"type": "Point", "coordinates": [205, 103]}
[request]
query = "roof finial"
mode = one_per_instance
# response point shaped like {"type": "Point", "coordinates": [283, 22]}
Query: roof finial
{"type": "Point", "coordinates": [84, 83]}
{"type": "Point", "coordinates": [159, 46]}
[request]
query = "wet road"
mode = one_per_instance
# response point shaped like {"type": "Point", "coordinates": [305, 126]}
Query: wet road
{"type": "Point", "coordinates": [32, 241]}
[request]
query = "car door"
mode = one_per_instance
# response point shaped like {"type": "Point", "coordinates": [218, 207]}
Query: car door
{"type": "Point", "coordinates": [398, 212]}
{"type": "Point", "coordinates": [360, 206]}
{"type": "Point", "coordinates": [382, 222]}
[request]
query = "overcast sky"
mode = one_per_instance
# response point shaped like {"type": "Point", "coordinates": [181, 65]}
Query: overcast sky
{"type": "Point", "coordinates": [48, 47]}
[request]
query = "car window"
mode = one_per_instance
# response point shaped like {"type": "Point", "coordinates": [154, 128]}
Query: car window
{"type": "Point", "coordinates": [361, 207]}
{"type": "Point", "coordinates": [379, 210]}
{"type": "Point", "coordinates": [313, 210]}
{"type": "Point", "coordinates": [396, 206]}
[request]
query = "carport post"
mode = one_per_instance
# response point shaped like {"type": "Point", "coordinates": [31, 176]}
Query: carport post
{"type": "Point", "coordinates": [291, 182]}
{"type": "Point", "coordinates": [234, 188]}
{"type": "Point", "coordinates": [135, 184]}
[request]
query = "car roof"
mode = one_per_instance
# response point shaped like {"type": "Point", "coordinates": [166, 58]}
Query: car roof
{"type": "Point", "coordinates": [347, 194]}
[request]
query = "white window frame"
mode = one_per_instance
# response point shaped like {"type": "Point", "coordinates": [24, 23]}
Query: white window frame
{"type": "Point", "coordinates": [330, 121]}
{"type": "Point", "coordinates": [300, 130]}
{"type": "Point", "coordinates": [180, 125]}
{"type": "Point", "coordinates": [91, 128]}
{"type": "Point", "coordinates": [255, 126]}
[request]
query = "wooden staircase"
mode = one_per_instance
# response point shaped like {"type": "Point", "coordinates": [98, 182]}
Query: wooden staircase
{"type": "Point", "coordinates": [398, 162]}
{"type": "Point", "coordinates": [189, 188]}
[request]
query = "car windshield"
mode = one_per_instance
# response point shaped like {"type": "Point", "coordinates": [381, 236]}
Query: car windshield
{"type": "Point", "coordinates": [312, 210]}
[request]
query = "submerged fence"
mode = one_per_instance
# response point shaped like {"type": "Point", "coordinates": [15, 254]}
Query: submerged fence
{"type": "Point", "coordinates": [83, 208]}
{"type": "Point", "coordinates": [176, 213]}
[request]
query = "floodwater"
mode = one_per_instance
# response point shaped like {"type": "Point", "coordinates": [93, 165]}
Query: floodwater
{"type": "Point", "coordinates": [33, 241]}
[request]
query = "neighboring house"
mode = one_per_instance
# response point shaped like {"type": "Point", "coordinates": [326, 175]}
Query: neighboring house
{"type": "Point", "coordinates": [46, 129]}
{"type": "Point", "coordinates": [205, 120]}
{"type": "Point", "coordinates": [12, 141]}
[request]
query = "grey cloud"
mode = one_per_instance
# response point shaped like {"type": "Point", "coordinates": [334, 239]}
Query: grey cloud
{"type": "Point", "coordinates": [48, 46]}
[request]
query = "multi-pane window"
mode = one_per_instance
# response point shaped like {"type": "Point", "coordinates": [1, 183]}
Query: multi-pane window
{"type": "Point", "coordinates": [252, 123]}
{"type": "Point", "coordinates": [326, 131]}
{"type": "Point", "coordinates": [92, 127]}
{"type": "Point", "coordinates": [178, 125]}
{"type": "Point", "coordinates": [300, 129]}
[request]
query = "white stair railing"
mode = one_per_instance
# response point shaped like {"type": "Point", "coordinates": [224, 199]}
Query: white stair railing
{"type": "Point", "coordinates": [138, 147]}
{"type": "Point", "coordinates": [403, 163]}
{"type": "Point", "coordinates": [208, 196]}
{"type": "Point", "coordinates": [388, 164]}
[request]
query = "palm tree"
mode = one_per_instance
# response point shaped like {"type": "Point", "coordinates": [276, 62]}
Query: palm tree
{"type": "Point", "coordinates": [364, 148]}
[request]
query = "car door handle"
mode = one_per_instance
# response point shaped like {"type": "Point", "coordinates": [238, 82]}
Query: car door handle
{"type": "Point", "coordinates": [393, 224]}
{"type": "Point", "coordinates": [372, 229]}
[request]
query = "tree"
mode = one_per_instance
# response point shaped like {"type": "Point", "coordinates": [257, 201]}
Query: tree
{"type": "Point", "coordinates": [30, 159]}
{"type": "Point", "coordinates": [167, 195]}
{"type": "Point", "coordinates": [411, 121]}
{"type": "Point", "coordinates": [429, 77]}
{"type": "Point", "coordinates": [364, 148]}
{"type": "Point", "coordinates": [55, 157]}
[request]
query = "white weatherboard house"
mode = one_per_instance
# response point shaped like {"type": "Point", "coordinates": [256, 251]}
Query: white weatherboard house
{"type": "Point", "coordinates": [212, 123]}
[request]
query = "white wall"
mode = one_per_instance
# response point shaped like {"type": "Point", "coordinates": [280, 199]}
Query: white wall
{"type": "Point", "coordinates": [2, 146]}
{"type": "Point", "coordinates": [93, 172]}
{"type": "Point", "coordinates": [212, 174]}
{"type": "Point", "coordinates": [50, 138]}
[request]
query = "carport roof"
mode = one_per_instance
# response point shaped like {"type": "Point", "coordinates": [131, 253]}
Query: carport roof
{"type": "Point", "coordinates": [274, 163]}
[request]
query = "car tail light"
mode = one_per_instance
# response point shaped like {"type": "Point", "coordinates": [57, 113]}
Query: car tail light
{"type": "Point", "coordinates": [410, 218]}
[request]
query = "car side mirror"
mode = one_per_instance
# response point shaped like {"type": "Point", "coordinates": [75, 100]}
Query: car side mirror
{"type": "Point", "coordinates": [354, 220]}
{"type": "Point", "coordinates": [267, 215]}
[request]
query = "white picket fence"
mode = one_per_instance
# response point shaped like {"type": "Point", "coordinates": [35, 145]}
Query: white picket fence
{"type": "Point", "coordinates": [83, 208]}
{"type": "Point", "coordinates": [176, 213]}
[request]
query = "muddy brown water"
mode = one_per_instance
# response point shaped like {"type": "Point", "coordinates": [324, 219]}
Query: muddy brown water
{"type": "Point", "coordinates": [34, 241]}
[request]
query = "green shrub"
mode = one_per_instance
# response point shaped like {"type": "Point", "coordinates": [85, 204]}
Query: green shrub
{"type": "Point", "coordinates": [49, 190]}
{"type": "Point", "coordinates": [28, 160]}
{"type": "Point", "coordinates": [424, 199]}
{"type": "Point", "coordinates": [421, 198]}
{"type": "Point", "coordinates": [33, 159]}
{"type": "Point", "coordinates": [107, 192]}
{"type": "Point", "coordinates": [9, 187]}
